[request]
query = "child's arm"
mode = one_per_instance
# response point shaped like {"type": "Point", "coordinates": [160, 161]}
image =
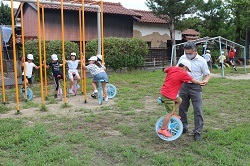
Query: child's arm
{"type": "Point", "coordinates": [196, 81]}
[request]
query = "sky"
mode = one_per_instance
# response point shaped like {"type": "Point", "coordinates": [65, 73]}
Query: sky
{"type": "Point", "coordinates": [130, 4]}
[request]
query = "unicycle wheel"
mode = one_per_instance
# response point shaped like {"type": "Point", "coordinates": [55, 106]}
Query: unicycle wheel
{"type": "Point", "coordinates": [112, 91]}
{"type": "Point", "coordinates": [175, 127]}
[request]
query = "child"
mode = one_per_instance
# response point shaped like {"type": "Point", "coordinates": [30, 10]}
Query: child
{"type": "Point", "coordinates": [29, 65]}
{"type": "Point", "coordinates": [98, 73]}
{"type": "Point", "coordinates": [55, 65]}
{"type": "Point", "coordinates": [173, 81]}
{"type": "Point", "coordinates": [73, 64]}
{"type": "Point", "coordinates": [208, 58]}
{"type": "Point", "coordinates": [99, 60]}
{"type": "Point", "coordinates": [221, 59]}
{"type": "Point", "coordinates": [232, 52]}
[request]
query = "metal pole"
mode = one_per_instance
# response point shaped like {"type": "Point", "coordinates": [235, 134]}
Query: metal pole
{"type": "Point", "coordinates": [222, 65]}
{"type": "Point", "coordinates": [57, 3]}
{"type": "Point", "coordinates": [44, 54]}
{"type": "Point", "coordinates": [102, 32]}
{"type": "Point", "coordinates": [40, 51]}
{"type": "Point", "coordinates": [63, 54]}
{"type": "Point", "coordinates": [14, 56]}
{"type": "Point", "coordinates": [245, 59]}
{"type": "Point", "coordinates": [83, 44]}
{"type": "Point", "coordinates": [23, 51]}
{"type": "Point", "coordinates": [99, 33]}
{"type": "Point", "coordinates": [1, 64]}
{"type": "Point", "coordinates": [172, 55]}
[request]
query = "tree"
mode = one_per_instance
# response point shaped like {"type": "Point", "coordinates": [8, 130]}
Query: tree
{"type": "Point", "coordinates": [172, 11]}
{"type": "Point", "coordinates": [217, 20]}
{"type": "Point", "coordinates": [240, 9]}
{"type": "Point", "coordinates": [5, 14]}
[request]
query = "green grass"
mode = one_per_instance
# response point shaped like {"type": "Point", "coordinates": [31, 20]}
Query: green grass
{"type": "Point", "coordinates": [123, 133]}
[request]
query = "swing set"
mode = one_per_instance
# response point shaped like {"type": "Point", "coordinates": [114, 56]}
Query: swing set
{"type": "Point", "coordinates": [97, 5]}
{"type": "Point", "coordinates": [223, 45]}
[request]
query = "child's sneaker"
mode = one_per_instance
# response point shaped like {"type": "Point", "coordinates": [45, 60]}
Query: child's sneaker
{"type": "Point", "coordinates": [78, 86]}
{"type": "Point", "coordinates": [106, 99]}
{"type": "Point", "coordinates": [93, 95]}
{"type": "Point", "coordinates": [95, 91]}
{"type": "Point", "coordinates": [55, 96]}
{"type": "Point", "coordinates": [165, 132]}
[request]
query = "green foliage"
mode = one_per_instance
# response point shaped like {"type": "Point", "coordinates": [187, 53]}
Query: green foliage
{"type": "Point", "coordinates": [121, 52]}
{"type": "Point", "coordinates": [52, 47]}
{"type": "Point", "coordinates": [5, 14]}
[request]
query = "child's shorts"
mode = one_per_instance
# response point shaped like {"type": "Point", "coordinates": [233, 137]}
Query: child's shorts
{"type": "Point", "coordinates": [100, 76]}
{"type": "Point", "coordinates": [28, 78]}
{"type": "Point", "coordinates": [70, 75]}
{"type": "Point", "coordinates": [169, 103]}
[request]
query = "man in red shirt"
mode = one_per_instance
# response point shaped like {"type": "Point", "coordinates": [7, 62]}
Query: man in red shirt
{"type": "Point", "coordinates": [231, 57]}
{"type": "Point", "coordinates": [169, 91]}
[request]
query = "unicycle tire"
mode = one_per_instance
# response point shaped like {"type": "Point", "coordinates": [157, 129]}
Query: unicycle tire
{"type": "Point", "coordinates": [74, 89]}
{"type": "Point", "coordinates": [60, 94]}
{"type": "Point", "coordinates": [112, 91]}
{"type": "Point", "coordinates": [100, 96]}
{"type": "Point", "coordinates": [29, 94]}
{"type": "Point", "coordinates": [175, 127]}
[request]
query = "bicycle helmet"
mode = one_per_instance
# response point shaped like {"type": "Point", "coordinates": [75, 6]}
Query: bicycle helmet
{"type": "Point", "coordinates": [30, 57]}
{"type": "Point", "coordinates": [186, 63]}
{"type": "Point", "coordinates": [99, 57]}
{"type": "Point", "coordinates": [54, 57]}
{"type": "Point", "coordinates": [93, 58]}
{"type": "Point", "coordinates": [73, 54]}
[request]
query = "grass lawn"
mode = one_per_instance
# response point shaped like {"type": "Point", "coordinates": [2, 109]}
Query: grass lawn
{"type": "Point", "coordinates": [123, 133]}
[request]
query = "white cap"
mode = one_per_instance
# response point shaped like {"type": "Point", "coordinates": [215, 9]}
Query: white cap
{"type": "Point", "coordinates": [54, 57]}
{"type": "Point", "coordinates": [30, 56]}
{"type": "Point", "coordinates": [73, 54]}
{"type": "Point", "coordinates": [222, 52]}
{"type": "Point", "coordinates": [93, 58]}
{"type": "Point", "coordinates": [99, 56]}
{"type": "Point", "coordinates": [208, 51]}
{"type": "Point", "coordinates": [186, 63]}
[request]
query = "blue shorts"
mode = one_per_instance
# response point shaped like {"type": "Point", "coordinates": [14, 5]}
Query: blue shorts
{"type": "Point", "coordinates": [100, 76]}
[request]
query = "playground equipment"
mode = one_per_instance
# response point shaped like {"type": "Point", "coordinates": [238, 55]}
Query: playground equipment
{"type": "Point", "coordinates": [41, 36]}
{"type": "Point", "coordinates": [221, 42]}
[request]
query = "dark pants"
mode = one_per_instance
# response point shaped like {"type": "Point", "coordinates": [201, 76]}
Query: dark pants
{"type": "Point", "coordinates": [57, 79]}
{"type": "Point", "coordinates": [193, 92]}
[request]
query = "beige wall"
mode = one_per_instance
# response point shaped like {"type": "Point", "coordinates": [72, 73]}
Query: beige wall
{"type": "Point", "coordinates": [157, 34]}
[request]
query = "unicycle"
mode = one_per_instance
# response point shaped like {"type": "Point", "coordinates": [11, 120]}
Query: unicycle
{"type": "Point", "coordinates": [28, 94]}
{"type": "Point", "coordinates": [174, 126]}
{"type": "Point", "coordinates": [100, 91]}
{"type": "Point", "coordinates": [112, 91]}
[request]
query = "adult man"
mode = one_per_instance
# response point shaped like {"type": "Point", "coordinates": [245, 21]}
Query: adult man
{"type": "Point", "coordinates": [193, 91]}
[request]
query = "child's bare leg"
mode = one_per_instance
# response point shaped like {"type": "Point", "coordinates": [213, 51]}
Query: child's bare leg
{"type": "Point", "coordinates": [105, 90]}
{"type": "Point", "coordinates": [71, 83]}
{"type": "Point", "coordinates": [78, 79]}
{"type": "Point", "coordinates": [93, 85]}
{"type": "Point", "coordinates": [166, 120]}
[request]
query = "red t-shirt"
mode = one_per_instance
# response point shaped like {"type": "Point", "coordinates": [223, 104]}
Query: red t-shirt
{"type": "Point", "coordinates": [173, 81]}
{"type": "Point", "coordinates": [231, 53]}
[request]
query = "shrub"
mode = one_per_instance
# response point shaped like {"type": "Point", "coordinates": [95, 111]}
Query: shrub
{"type": "Point", "coordinates": [120, 52]}
{"type": "Point", "coordinates": [52, 47]}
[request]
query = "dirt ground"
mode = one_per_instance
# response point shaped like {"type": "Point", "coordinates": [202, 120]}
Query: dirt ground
{"type": "Point", "coordinates": [77, 102]}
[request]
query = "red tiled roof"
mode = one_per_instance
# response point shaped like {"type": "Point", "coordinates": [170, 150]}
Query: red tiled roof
{"type": "Point", "coordinates": [190, 32]}
{"type": "Point", "coordinates": [108, 7]}
{"type": "Point", "coordinates": [148, 17]}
